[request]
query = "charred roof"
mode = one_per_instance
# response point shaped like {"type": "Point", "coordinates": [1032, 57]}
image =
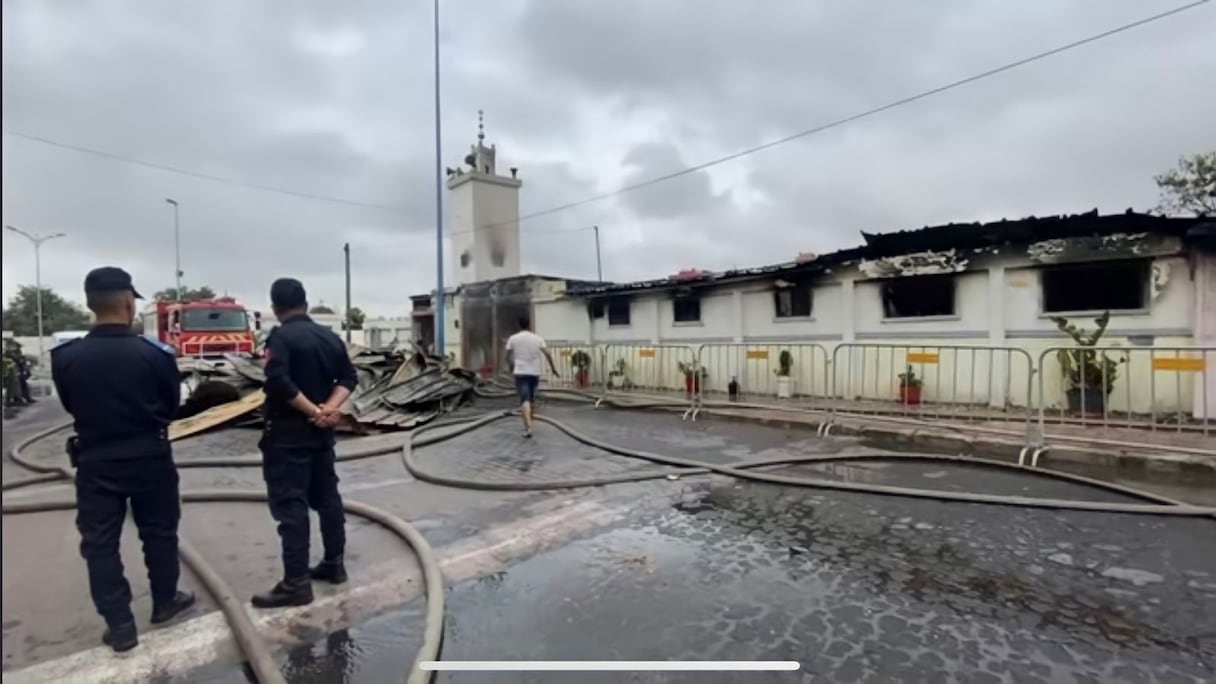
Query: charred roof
{"type": "Point", "coordinates": [959, 236]}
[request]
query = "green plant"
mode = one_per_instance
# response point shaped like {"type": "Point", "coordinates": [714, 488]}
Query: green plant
{"type": "Point", "coordinates": [785, 363]}
{"type": "Point", "coordinates": [908, 378]}
{"type": "Point", "coordinates": [581, 360]}
{"type": "Point", "coordinates": [692, 368]}
{"type": "Point", "coordinates": [620, 367]}
{"type": "Point", "coordinates": [1084, 367]}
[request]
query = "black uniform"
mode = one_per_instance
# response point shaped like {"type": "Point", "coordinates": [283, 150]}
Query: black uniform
{"type": "Point", "coordinates": [297, 456]}
{"type": "Point", "coordinates": [122, 390]}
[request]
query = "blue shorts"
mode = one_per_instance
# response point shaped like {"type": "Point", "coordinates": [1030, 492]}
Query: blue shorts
{"type": "Point", "coordinates": [526, 386]}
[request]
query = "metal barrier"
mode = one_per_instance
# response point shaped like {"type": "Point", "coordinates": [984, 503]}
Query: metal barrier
{"type": "Point", "coordinates": [1162, 389]}
{"type": "Point", "coordinates": [759, 373]}
{"type": "Point", "coordinates": [663, 371]}
{"type": "Point", "coordinates": [579, 367]}
{"type": "Point", "coordinates": [974, 383]}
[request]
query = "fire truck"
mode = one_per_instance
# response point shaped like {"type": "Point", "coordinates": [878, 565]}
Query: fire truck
{"type": "Point", "coordinates": [206, 328]}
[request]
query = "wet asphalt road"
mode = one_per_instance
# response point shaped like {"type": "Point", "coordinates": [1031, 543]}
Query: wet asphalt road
{"type": "Point", "coordinates": [854, 587]}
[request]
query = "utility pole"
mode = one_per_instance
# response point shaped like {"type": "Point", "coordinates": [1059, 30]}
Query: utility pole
{"type": "Point", "coordinates": [599, 265]}
{"type": "Point", "coordinates": [346, 250]}
{"type": "Point", "coordinates": [439, 323]}
{"type": "Point", "coordinates": [37, 241]}
{"type": "Point", "coordinates": [177, 251]}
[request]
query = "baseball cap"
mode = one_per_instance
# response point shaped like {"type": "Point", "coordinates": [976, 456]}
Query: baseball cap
{"type": "Point", "coordinates": [110, 279]}
{"type": "Point", "coordinates": [287, 293]}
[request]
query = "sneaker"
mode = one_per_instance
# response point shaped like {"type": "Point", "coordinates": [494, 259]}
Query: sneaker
{"type": "Point", "coordinates": [181, 602]}
{"type": "Point", "coordinates": [286, 593]}
{"type": "Point", "coordinates": [331, 571]}
{"type": "Point", "coordinates": [121, 638]}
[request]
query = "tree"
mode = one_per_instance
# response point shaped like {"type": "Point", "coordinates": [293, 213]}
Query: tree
{"type": "Point", "coordinates": [1190, 188]}
{"type": "Point", "coordinates": [58, 314]}
{"type": "Point", "coordinates": [167, 294]}
{"type": "Point", "coordinates": [320, 309]}
{"type": "Point", "coordinates": [357, 317]}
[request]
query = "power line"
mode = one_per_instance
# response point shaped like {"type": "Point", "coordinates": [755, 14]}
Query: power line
{"type": "Point", "coordinates": [860, 115]}
{"type": "Point", "coordinates": [641, 184]}
{"type": "Point", "coordinates": [236, 182]}
{"type": "Point", "coordinates": [199, 174]}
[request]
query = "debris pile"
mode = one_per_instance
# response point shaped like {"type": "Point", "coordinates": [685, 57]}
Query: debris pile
{"type": "Point", "coordinates": [399, 390]}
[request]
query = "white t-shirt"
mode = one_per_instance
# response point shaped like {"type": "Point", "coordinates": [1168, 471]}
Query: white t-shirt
{"type": "Point", "coordinates": [525, 347]}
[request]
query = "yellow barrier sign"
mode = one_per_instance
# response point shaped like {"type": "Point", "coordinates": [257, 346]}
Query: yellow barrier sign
{"type": "Point", "coordinates": [646, 353]}
{"type": "Point", "coordinates": [923, 357]}
{"type": "Point", "coordinates": [565, 352]}
{"type": "Point", "coordinates": [1179, 364]}
{"type": "Point", "coordinates": [757, 353]}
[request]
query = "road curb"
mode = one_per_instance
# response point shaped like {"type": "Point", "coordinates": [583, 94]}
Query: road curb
{"type": "Point", "coordinates": [946, 438]}
{"type": "Point", "coordinates": [173, 653]}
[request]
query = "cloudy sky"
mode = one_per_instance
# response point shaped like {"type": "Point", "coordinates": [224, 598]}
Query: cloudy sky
{"type": "Point", "coordinates": [584, 96]}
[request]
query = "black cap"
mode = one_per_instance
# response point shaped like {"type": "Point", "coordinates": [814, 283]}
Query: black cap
{"type": "Point", "coordinates": [287, 293]}
{"type": "Point", "coordinates": [110, 279]}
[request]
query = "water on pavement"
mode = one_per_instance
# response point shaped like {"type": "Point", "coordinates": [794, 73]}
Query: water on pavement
{"type": "Point", "coordinates": [854, 587]}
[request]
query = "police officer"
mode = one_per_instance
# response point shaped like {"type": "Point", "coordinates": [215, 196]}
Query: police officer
{"type": "Point", "coordinates": [308, 377]}
{"type": "Point", "coordinates": [122, 390]}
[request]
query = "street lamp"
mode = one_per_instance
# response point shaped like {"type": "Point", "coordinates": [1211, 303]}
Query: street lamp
{"type": "Point", "coordinates": [439, 322]}
{"type": "Point", "coordinates": [177, 250]}
{"type": "Point", "coordinates": [37, 241]}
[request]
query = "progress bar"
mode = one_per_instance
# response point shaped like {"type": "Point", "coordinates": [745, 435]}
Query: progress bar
{"type": "Point", "coordinates": [610, 665]}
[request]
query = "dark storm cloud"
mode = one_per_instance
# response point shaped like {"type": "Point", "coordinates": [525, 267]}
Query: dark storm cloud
{"type": "Point", "coordinates": [584, 97]}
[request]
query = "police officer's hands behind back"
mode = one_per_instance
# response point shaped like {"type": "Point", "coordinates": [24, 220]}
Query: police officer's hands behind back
{"type": "Point", "coordinates": [326, 417]}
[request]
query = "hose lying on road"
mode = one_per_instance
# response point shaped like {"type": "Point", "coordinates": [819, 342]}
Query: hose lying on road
{"type": "Point", "coordinates": [259, 655]}
{"type": "Point", "coordinates": [250, 642]}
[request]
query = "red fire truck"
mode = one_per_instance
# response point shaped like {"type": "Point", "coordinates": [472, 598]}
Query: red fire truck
{"type": "Point", "coordinates": [206, 328]}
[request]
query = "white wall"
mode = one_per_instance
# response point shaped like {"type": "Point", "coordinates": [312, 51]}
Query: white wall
{"type": "Point", "coordinates": [760, 322]}
{"type": "Point", "coordinates": [484, 218]}
{"type": "Point", "coordinates": [970, 319]}
{"type": "Point", "coordinates": [998, 306]}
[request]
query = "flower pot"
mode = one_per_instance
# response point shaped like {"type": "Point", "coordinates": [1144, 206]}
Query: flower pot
{"type": "Point", "coordinates": [1095, 401]}
{"type": "Point", "coordinates": [909, 394]}
{"type": "Point", "coordinates": [692, 384]}
{"type": "Point", "coordinates": [785, 387]}
{"type": "Point", "coordinates": [581, 378]}
{"type": "Point", "coordinates": [616, 381]}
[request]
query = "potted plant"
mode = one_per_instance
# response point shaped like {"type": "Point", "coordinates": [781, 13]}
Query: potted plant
{"type": "Point", "coordinates": [1089, 377]}
{"type": "Point", "coordinates": [785, 383]}
{"type": "Point", "coordinates": [616, 377]}
{"type": "Point", "coordinates": [909, 387]}
{"type": "Point", "coordinates": [694, 376]}
{"type": "Point", "coordinates": [581, 361]}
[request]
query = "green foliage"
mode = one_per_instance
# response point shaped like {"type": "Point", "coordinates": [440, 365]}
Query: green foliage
{"type": "Point", "coordinates": [167, 294]}
{"type": "Point", "coordinates": [785, 363]}
{"type": "Point", "coordinates": [580, 360]}
{"type": "Point", "coordinates": [621, 366]}
{"type": "Point", "coordinates": [692, 368]}
{"type": "Point", "coordinates": [58, 314]}
{"type": "Point", "coordinates": [1084, 367]}
{"type": "Point", "coordinates": [908, 378]}
{"type": "Point", "coordinates": [1190, 188]}
{"type": "Point", "coordinates": [357, 318]}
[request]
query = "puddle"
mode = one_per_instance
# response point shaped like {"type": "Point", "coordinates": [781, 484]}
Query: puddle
{"type": "Point", "coordinates": [854, 588]}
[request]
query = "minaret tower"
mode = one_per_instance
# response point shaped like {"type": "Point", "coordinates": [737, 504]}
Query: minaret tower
{"type": "Point", "coordinates": [484, 216]}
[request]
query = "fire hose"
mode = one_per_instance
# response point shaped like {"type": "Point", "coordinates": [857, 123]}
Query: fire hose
{"type": "Point", "coordinates": [259, 654]}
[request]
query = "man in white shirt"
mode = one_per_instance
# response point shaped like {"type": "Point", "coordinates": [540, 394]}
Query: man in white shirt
{"type": "Point", "coordinates": [524, 352]}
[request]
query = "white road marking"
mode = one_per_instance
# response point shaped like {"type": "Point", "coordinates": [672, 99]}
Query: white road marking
{"type": "Point", "coordinates": [176, 651]}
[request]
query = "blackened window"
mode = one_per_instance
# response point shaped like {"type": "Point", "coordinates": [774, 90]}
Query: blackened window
{"type": "Point", "coordinates": [1102, 286]}
{"type": "Point", "coordinates": [618, 311]}
{"type": "Point", "coordinates": [686, 309]}
{"type": "Point", "coordinates": [792, 302]}
{"type": "Point", "coordinates": [596, 309]}
{"type": "Point", "coordinates": [918, 296]}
